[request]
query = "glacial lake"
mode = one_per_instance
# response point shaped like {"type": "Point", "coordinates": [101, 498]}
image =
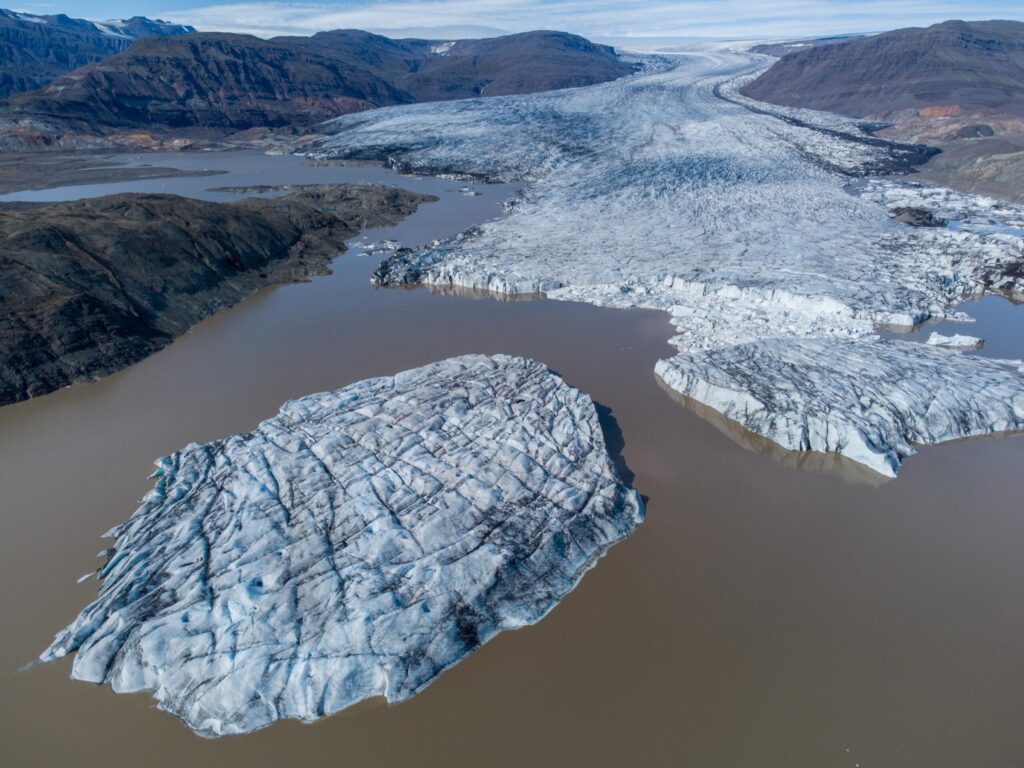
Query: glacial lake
{"type": "Point", "coordinates": [996, 320]}
{"type": "Point", "coordinates": [771, 611]}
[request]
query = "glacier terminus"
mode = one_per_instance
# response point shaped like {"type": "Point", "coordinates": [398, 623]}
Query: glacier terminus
{"type": "Point", "coordinates": [770, 235]}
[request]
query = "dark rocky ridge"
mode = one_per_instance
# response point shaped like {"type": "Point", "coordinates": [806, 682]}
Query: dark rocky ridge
{"type": "Point", "coordinates": [955, 86]}
{"type": "Point", "coordinates": [91, 286]}
{"type": "Point", "coordinates": [34, 50]}
{"type": "Point", "coordinates": [786, 47]}
{"type": "Point", "coordinates": [238, 82]}
{"type": "Point", "coordinates": [975, 65]}
{"type": "Point", "coordinates": [973, 131]}
{"type": "Point", "coordinates": [917, 217]}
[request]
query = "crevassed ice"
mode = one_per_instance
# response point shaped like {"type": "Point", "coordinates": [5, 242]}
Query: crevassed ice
{"type": "Point", "coordinates": [357, 544]}
{"type": "Point", "coordinates": [669, 190]}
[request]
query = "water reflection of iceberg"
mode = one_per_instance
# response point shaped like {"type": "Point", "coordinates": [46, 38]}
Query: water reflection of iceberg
{"type": "Point", "coordinates": [835, 464]}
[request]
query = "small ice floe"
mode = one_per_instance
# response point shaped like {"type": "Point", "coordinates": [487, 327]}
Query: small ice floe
{"type": "Point", "coordinates": [956, 341]}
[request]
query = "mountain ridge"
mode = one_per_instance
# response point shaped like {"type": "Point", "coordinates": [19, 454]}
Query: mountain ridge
{"type": "Point", "coordinates": [973, 65]}
{"type": "Point", "coordinates": [36, 49]}
{"type": "Point", "coordinates": [235, 82]}
{"type": "Point", "coordinates": [91, 286]}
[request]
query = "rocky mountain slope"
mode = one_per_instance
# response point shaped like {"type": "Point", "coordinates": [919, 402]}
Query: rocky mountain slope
{"type": "Point", "coordinates": [785, 47]}
{"type": "Point", "coordinates": [748, 226]}
{"type": "Point", "coordinates": [975, 66]}
{"type": "Point", "coordinates": [91, 286]}
{"type": "Point", "coordinates": [236, 82]}
{"type": "Point", "coordinates": [957, 86]}
{"type": "Point", "coordinates": [35, 50]}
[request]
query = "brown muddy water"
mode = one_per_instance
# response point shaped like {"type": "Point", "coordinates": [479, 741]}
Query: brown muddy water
{"type": "Point", "coordinates": [769, 612]}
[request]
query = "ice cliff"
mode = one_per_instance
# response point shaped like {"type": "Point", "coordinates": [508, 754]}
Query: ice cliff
{"type": "Point", "coordinates": [355, 545]}
{"type": "Point", "coordinates": [753, 226]}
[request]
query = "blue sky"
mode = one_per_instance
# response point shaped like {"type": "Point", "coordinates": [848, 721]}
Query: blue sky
{"type": "Point", "coordinates": [596, 18]}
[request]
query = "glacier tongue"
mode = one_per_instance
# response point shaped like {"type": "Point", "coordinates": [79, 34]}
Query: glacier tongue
{"type": "Point", "coordinates": [357, 544]}
{"type": "Point", "coordinates": [749, 224]}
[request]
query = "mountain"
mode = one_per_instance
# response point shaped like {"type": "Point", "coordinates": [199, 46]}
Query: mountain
{"type": "Point", "coordinates": [955, 65]}
{"type": "Point", "coordinates": [90, 286]}
{"type": "Point", "coordinates": [236, 82]}
{"type": "Point", "coordinates": [523, 63]}
{"type": "Point", "coordinates": [35, 50]}
{"type": "Point", "coordinates": [958, 86]}
{"type": "Point", "coordinates": [785, 47]}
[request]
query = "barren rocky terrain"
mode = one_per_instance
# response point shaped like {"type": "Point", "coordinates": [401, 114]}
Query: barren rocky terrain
{"type": "Point", "coordinates": [958, 86]}
{"type": "Point", "coordinates": [90, 286]}
{"type": "Point", "coordinates": [209, 84]}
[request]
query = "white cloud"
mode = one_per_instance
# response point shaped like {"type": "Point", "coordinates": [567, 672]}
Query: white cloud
{"type": "Point", "coordinates": [598, 18]}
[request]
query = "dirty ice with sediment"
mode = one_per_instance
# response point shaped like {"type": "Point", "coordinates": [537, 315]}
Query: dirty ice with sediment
{"type": "Point", "coordinates": [357, 544]}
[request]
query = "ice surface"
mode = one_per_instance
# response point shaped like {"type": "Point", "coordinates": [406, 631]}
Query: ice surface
{"type": "Point", "coordinates": [956, 341]}
{"type": "Point", "coordinates": [357, 544]}
{"type": "Point", "coordinates": [747, 223]}
{"type": "Point", "coordinates": [868, 400]}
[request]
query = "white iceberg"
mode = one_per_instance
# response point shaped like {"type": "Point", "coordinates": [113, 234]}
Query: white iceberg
{"type": "Point", "coordinates": [956, 341]}
{"type": "Point", "coordinates": [355, 545]}
{"type": "Point", "coordinates": [868, 400]}
{"type": "Point", "coordinates": [745, 222]}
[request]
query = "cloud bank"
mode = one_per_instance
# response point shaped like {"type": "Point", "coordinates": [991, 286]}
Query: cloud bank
{"type": "Point", "coordinates": [594, 18]}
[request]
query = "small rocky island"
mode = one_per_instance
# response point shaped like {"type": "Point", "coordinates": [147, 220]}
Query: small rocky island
{"type": "Point", "coordinates": [91, 286]}
{"type": "Point", "coordinates": [355, 545]}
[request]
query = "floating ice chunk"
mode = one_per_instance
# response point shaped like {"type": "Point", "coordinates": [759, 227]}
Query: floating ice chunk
{"type": "Point", "coordinates": [355, 545]}
{"type": "Point", "coordinates": [956, 341]}
{"type": "Point", "coordinates": [869, 400]}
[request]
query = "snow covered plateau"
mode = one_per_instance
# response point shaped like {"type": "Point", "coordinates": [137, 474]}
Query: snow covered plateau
{"type": "Point", "coordinates": [763, 231]}
{"type": "Point", "coordinates": [355, 545]}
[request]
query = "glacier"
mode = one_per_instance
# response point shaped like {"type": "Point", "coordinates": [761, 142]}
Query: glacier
{"type": "Point", "coordinates": [356, 544]}
{"type": "Point", "coordinates": [764, 232]}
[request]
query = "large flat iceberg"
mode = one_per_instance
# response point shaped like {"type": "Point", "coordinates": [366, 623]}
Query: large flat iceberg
{"type": "Point", "coordinates": [355, 545]}
{"type": "Point", "coordinates": [868, 400]}
{"type": "Point", "coordinates": [754, 227]}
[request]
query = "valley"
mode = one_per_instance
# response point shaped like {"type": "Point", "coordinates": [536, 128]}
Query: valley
{"type": "Point", "coordinates": [507, 398]}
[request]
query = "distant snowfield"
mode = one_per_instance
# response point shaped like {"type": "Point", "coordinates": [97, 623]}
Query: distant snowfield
{"type": "Point", "coordinates": [669, 190]}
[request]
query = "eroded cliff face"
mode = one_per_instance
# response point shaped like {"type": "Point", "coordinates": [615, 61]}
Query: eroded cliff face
{"type": "Point", "coordinates": [91, 286]}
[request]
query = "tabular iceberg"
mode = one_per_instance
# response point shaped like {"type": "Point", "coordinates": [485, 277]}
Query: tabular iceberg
{"type": "Point", "coordinates": [956, 341]}
{"type": "Point", "coordinates": [357, 544]}
{"type": "Point", "coordinates": [750, 224]}
{"type": "Point", "coordinates": [868, 400]}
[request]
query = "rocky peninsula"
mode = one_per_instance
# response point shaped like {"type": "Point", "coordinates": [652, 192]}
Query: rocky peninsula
{"type": "Point", "coordinates": [91, 286]}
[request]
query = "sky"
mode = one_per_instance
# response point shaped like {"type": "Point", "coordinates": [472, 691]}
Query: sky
{"type": "Point", "coordinates": [593, 18]}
